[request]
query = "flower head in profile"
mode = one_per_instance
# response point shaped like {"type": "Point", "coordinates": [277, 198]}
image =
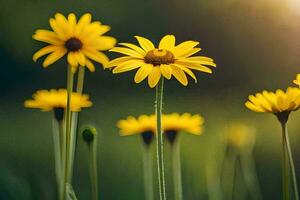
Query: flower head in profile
{"type": "Point", "coordinates": [81, 41]}
{"type": "Point", "coordinates": [144, 125]}
{"type": "Point", "coordinates": [241, 136]}
{"type": "Point", "coordinates": [175, 123]}
{"type": "Point", "coordinates": [166, 60]}
{"type": "Point", "coordinates": [281, 103]}
{"type": "Point", "coordinates": [48, 100]}
{"type": "Point", "coordinates": [297, 80]}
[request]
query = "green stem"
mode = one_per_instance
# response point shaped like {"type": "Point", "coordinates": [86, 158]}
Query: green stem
{"type": "Point", "coordinates": [148, 174]}
{"type": "Point", "coordinates": [73, 136]}
{"type": "Point", "coordinates": [249, 172]}
{"type": "Point", "coordinates": [176, 164]}
{"type": "Point", "coordinates": [285, 171]}
{"type": "Point", "coordinates": [230, 177]}
{"type": "Point", "coordinates": [93, 168]}
{"type": "Point", "coordinates": [159, 141]}
{"type": "Point", "coordinates": [57, 153]}
{"type": "Point", "coordinates": [70, 80]}
{"type": "Point", "coordinates": [290, 160]}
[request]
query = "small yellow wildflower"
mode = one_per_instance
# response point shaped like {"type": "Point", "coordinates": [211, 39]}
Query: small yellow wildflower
{"type": "Point", "coordinates": [280, 103]}
{"type": "Point", "coordinates": [241, 136]}
{"type": "Point", "coordinates": [297, 80]}
{"type": "Point", "coordinates": [48, 100]}
{"type": "Point", "coordinates": [82, 41]}
{"type": "Point", "coordinates": [167, 60]}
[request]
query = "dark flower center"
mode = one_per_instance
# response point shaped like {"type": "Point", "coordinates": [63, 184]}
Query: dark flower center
{"type": "Point", "coordinates": [159, 56]}
{"type": "Point", "coordinates": [73, 44]}
{"type": "Point", "coordinates": [147, 137]}
{"type": "Point", "coordinates": [171, 135]}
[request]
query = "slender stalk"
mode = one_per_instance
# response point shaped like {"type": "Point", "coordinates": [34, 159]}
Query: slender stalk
{"type": "Point", "coordinates": [290, 160]}
{"type": "Point", "coordinates": [148, 174]}
{"type": "Point", "coordinates": [231, 162]}
{"type": "Point", "coordinates": [285, 170]}
{"type": "Point", "coordinates": [159, 141]}
{"type": "Point", "coordinates": [93, 168]}
{"type": "Point", "coordinates": [73, 136]}
{"type": "Point", "coordinates": [176, 165]}
{"type": "Point", "coordinates": [70, 80]}
{"type": "Point", "coordinates": [57, 153]}
{"type": "Point", "coordinates": [249, 173]}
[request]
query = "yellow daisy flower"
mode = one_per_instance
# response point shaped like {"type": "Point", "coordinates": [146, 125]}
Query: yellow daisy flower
{"type": "Point", "coordinates": [81, 41]}
{"type": "Point", "coordinates": [132, 125]}
{"type": "Point", "coordinates": [183, 123]}
{"type": "Point", "coordinates": [144, 125]}
{"type": "Point", "coordinates": [241, 136]}
{"type": "Point", "coordinates": [281, 103]}
{"type": "Point", "coordinates": [166, 60]}
{"type": "Point", "coordinates": [297, 80]}
{"type": "Point", "coordinates": [174, 123]}
{"type": "Point", "coordinates": [48, 100]}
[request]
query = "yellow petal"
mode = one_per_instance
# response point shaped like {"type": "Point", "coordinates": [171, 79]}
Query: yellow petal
{"type": "Point", "coordinates": [134, 47]}
{"type": "Point", "coordinates": [96, 56]}
{"type": "Point", "coordinates": [63, 24]}
{"type": "Point", "coordinates": [154, 77]}
{"type": "Point", "coordinates": [48, 37]}
{"type": "Point", "coordinates": [128, 65]}
{"type": "Point", "coordinates": [72, 59]}
{"type": "Point", "coordinates": [179, 75]}
{"type": "Point", "coordinates": [189, 72]}
{"type": "Point", "coordinates": [46, 50]}
{"type": "Point", "coordinates": [184, 48]}
{"type": "Point", "coordinates": [102, 43]}
{"type": "Point", "coordinates": [82, 24]}
{"type": "Point", "coordinates": [80, 58]}
{"type": "Point", "coordinates": [143, 72]}
{"type": "Point", "coordinates": [166, 71]}
{"type": "Point", "coordinates": [191, 52]}
{"type": "Point", "coordinates": [146, 44]}
{"type": "Point", "coordinates": [54, 57]}
{"type": "Point", "coordinates": [56, 28]}
{"type": "Point", "coordinates": [90, 65]}
{"type": "Point", "coordinates": [197, 60]}
{"type": "Point", "coordinates": [72, 22]}
{"type": "Point", "coordinates": [127, 51]}
{"type": "Point", "coordinates": [118, 61]}
{"type": "Point", "coordinates": [167, 42]}
{"type": "Point", "coordinates": [194, 66]}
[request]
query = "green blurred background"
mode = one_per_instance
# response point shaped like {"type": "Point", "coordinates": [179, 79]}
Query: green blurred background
{"type": "Point", "coordinates": [255, 44]}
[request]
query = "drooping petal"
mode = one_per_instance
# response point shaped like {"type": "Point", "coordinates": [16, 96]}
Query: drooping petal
{"type": "Point", "coordinates": [90, 65]}
{"type": "Point", "coordinates": [118, 61]}
{"type": "Point", "coordinates": [80, 58]}
{"type": "Point", "coordinates": [127, 66]}
{"type": "Point", "coordinates": [54, 57]}
{"type": "Point", "coordinates": [146, 44]}
{"type": "Point", "coordinates": [179, 75]}
{"type": "Point", "coordinates": [167, 42]}
{"type": "Point", "coordinates": [188, 71]}
{"type": "Point", "coordinates": [154, 77]}
{"type": "Point", "coordinates": [46, 50]}
{"type": "Point", "coordinates": [166, 71]}
{"type": "Point", "coordinates": [96, 56]}
{"type": "Point", "coordinates": [195, 66]}
{"type": "Point", "coordinates": [143, 72]}
{"type": "Point", "coordinates": [72, 60]}
{"type": "Point", "coordinates": [48, 37]}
